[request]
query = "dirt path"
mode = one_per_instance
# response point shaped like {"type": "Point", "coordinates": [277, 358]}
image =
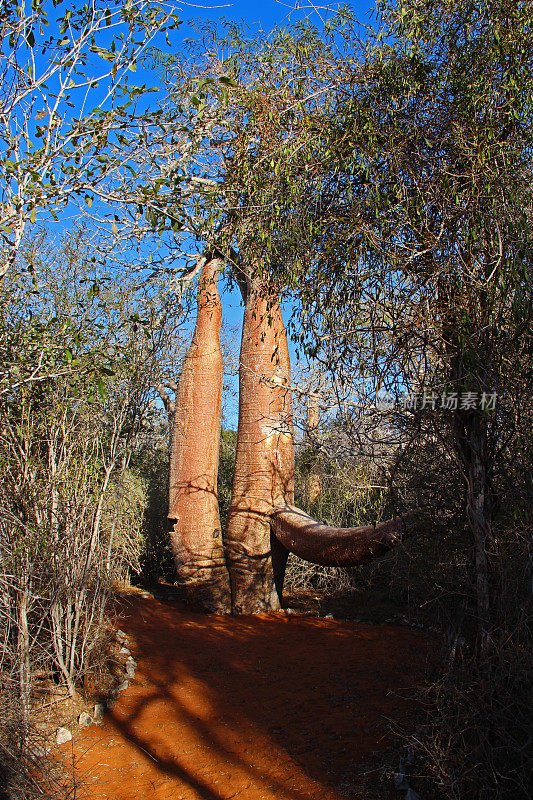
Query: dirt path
{"type": "Point", "coordinates": [272, 707]}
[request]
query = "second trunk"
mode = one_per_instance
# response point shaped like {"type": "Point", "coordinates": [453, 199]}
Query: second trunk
{"type": "Point", "coordinates": [264, 468]}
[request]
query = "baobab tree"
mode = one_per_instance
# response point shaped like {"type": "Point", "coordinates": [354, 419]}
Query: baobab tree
{"type": "Point", "coordinates": [193, 504]}
{"type": "Point", "coordinates": [263, 525]}
{"type": "Point", "coordinates": [242, 196]}
{"type": "Point", "coordinates": [264, 467]}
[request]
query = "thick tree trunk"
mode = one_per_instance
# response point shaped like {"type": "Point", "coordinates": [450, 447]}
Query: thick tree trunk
{"type": "Point", "coordinates": [264, 468]}
{"type": "Point", "coordinates": [193, 504]}
{"type": "Point", "coordinates": [263, 525]}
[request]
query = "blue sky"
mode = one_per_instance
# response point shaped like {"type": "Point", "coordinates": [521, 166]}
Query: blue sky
{"type": "Point", "coordinates": [262, 17]}
{"type": "Point", "coordinates": [268, 13]}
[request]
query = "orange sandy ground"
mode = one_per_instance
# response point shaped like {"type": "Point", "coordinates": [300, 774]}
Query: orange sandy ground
{"type": "Point", "coordinates": [263, 707]}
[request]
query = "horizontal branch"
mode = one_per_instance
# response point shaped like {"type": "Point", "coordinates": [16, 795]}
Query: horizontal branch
{"type": "Point", "coordinates": [336, 547]}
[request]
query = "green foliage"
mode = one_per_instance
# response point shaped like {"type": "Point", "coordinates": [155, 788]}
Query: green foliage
{"type": "Point", "coordinates": [57, 62]}
{"type": "Point", "coordinates": [226, 468]}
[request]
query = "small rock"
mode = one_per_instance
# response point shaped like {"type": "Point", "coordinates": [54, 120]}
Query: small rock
{"type": "Point", "coordinates": [63, 735]}
{"type": "Point", "coordinates": [98, 712]}
{"type": "Point", "coordinates": [328, 616]}
{"type": "Point", "coordinates": [130, 668]}
{"type": "Point", "coordinates": [124, 685]}
{"type": "Point", "coordinates": [121, 636]}
{"type": "Point", "coordinates": [84, 720]}
{"type": "Point", "coordinates": [124, 651]}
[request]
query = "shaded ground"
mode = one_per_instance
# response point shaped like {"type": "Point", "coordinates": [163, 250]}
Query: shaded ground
{"type": "Point", "coordinates": [271, 706]}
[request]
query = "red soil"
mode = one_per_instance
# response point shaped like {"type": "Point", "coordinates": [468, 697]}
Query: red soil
{"type": "Point", "coordinates": [259, 708]}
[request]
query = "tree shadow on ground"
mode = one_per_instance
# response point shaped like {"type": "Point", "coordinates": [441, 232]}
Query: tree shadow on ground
{"type": "Point", "coordinates": [270, 706]}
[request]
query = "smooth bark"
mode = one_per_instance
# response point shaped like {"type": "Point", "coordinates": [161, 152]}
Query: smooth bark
{"type": "Point", "coordinates": [263, 525]}
{"type": "Point", "coordinates": [264, 468]}
{"type": "Point", "coordinates": [336, 547]}
{"type": "Point", "coordinates": [193, 504]}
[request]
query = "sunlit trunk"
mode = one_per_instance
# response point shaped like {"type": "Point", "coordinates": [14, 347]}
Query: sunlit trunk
{"type": "Point", "coordinates": [193, 503]}
{"type": "Point", "coordinates": [24, 650]}
{"type": "Point", "coordinates": [264, 468]}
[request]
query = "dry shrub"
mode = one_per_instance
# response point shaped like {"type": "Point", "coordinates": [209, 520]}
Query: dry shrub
{"type": "Point", "coordinates": [478, 741]}
{"type": "Point", "coordinates": [302, 576]}
{"type": "Point", "coordinates": [26, 772]}
{"type": "Point", "coordinates": [104, 667]}
{"type": "Point", "coordinates": [346, 499]}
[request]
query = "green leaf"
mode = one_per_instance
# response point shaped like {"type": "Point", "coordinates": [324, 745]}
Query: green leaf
{"type": "Point", "coordinates": [227, 81]}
